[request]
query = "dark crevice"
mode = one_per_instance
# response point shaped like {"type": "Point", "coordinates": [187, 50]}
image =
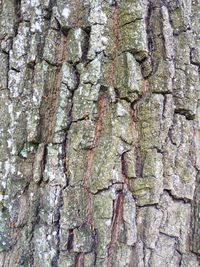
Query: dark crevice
{"type": "Point", "coordinates": [64, 31]}
{"type": "Point", "coordinates": [52, 64]}
{"type": "Point", "coordinates": [79, 260]}
{"type": "Point", "coordinates": [148, 27]}
{"type": "Point", "coordinates": [57, 216]}
{"type": "Point", "coordinates": [195, 219]}
{"type": "Point", "coordinates": [134, 113]}
{"type": "Point", "coordinates": [125, 141]}
{"type": "Point", "coordinates": [117, 221]}
{"type": "Point", "coordinates": [161, 93]}
{"type": "Point", "coordinates": [176, 198]}
{"type": "Point", "coordinates": [130, 22]}
{"type": "Point", "coordinates": [146, 67]}
{"type": "Point", "coordinates": [107, 188]}
{"type": "Point", "coordinates": [65, 140]}
{"type": "Point", "coordinates": [155, 205]}
{"type": "Point", "coordinates": [164, 107]}
{"type": "Point", "coordinates": [138, 164]}
{"type": "Point", "coordinates": [35, 221]}
{"type": "Point", "coordinates": [95, 246]}
{"type": "Point", "coordinates": [114, 3]}
{"type": "Point", "coordinates": [17, 4]}
{"type": "Point", "coordinates": [191, 58]}
{"type": "Point", "coordinates": [70, 240]}
{"type": "Point", "coordinates": [185, 112]}
{"type": "Point", "coordinates": [86, 44]}
{"type": "Point", "coordinates": [44, 159]}
{"type": "Point", "coordinates": [168, 235]}
{"type": "Point", "coordinates": [41, 44]}
{"type": "Point", "coordinates": [16, 70]}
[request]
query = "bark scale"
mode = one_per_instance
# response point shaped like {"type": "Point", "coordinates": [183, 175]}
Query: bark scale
{"type": "Point", "coordinates": [100, 142]}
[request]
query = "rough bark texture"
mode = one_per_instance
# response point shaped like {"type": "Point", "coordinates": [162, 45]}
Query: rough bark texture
{"type": "Point", "coordinates": [100, 133]}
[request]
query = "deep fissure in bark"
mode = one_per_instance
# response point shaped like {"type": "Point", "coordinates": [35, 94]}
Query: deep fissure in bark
{"type": "Point", "coordinates": [100, 113]}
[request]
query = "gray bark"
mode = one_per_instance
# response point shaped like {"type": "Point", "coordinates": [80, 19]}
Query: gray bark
{"type": "Point", "coordinates": [100, 133]}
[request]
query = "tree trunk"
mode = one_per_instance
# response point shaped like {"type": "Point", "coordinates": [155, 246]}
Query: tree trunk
{"type": "Point", "coordinates": [100, 133]}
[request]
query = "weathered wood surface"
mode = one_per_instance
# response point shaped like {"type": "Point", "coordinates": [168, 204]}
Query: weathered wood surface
{"type": "Point", "coordinates": [99, 133]}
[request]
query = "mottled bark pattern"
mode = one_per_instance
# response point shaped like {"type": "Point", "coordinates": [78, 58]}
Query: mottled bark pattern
{"type": "Point", "coordinates": [100, 133]}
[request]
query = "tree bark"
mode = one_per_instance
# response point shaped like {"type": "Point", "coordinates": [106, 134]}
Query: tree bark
{"type": "Point", "coordinates": [100, 133]}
